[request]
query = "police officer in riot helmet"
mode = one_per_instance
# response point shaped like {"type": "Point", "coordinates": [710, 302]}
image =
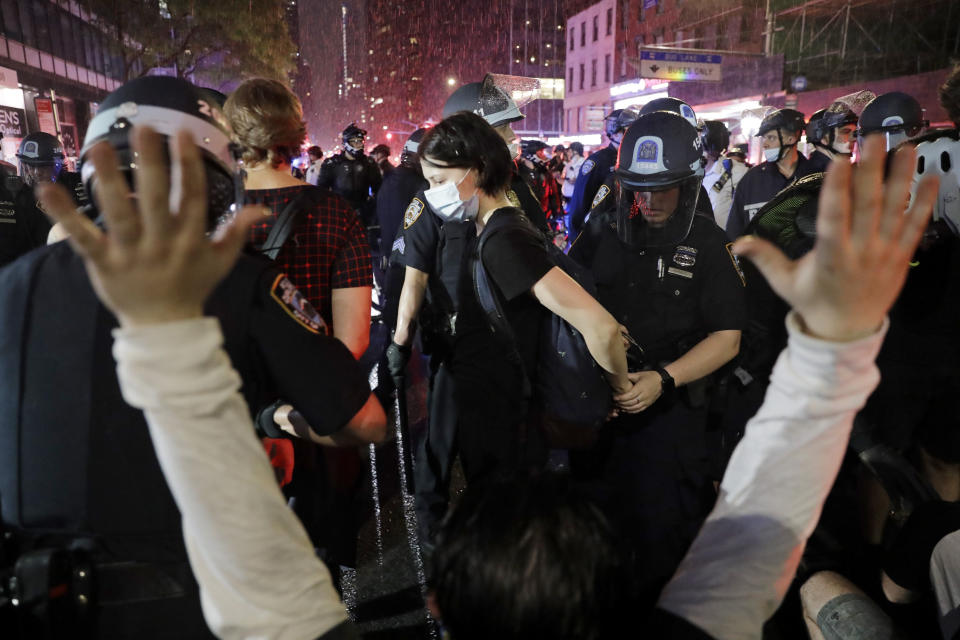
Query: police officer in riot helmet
{"type": "Point", "coordinates": [685, 111]}
{"type": "Point", "coordinates": [723, 170]}
{"type": "Point", "coordinates": [779, 132]}
{"type": "Point", "coordinates": [833, 132]}
{"type": "Point", "coordinates": [494, 104]}
{"type": "Point", "coordinates": [351, 173]}
{"type": "Point", "coordinates": [667, 275]}
{"type": "Point", "coordinates": [596, 169]}
{"type": "Point", "coordinates": [41, 160]}
{"type": "Point", "coordinates": [83, 478]}
{"type": "Point", "coordinates": [897, 115]}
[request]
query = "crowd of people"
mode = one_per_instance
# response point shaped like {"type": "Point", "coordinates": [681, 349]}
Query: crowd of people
{"type": "Point", "coordinates": [690, 397]}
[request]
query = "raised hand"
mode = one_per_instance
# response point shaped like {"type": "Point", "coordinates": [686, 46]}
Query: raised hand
{"type": "Point", "coordinates": [154, 262]}
{"type": "Point", "coordinates": [845, 286]}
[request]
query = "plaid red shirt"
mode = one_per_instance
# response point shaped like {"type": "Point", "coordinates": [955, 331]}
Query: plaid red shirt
{"type": "Point", "coordinates": [327, 250]}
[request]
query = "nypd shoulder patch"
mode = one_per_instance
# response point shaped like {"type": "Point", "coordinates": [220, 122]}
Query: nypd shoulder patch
{"type": "Point", "coordinates": [414, 209]}
{"type": "Point", "coordinates": [297, 306]}
{"type": "Point", "coordinates": [602, 193]}
{"type": "Point", "coordinates": [736, 263]}
{"type": "Point", "coordinates": [587, 166]}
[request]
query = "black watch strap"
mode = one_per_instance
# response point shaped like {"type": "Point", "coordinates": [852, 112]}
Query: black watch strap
{"type": "Point", "coordinates": [666, 380]}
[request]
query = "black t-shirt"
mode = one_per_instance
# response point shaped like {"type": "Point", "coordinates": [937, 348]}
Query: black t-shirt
{"type": "Point", "coordinates": [670, 297]}
{"type": "Point", "coordinates": [485, 363]}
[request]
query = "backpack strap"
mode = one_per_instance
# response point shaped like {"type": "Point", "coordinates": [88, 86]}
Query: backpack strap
{"type": "Point", "coordinates": [282, 229]}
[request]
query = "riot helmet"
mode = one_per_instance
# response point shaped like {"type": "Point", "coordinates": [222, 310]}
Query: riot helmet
{"type": "Point", "coordinates": [938, 153]}
{"type": "Point", "coordinates": [531, 148]}
{"type": "Point", "coordinates": [409, 156]}
{"type": "Point", "coordinates": [674, 105]}
{"type": "Point", "coordinates": [487, 100]}
{"type": "Point", "coordinates": [789, 120]}
{"type": "Point", "coordinates": [41, 158]}
{"type": "Point", "coordinates": [813, 130]}
{"type": "Point", "coordinates": [838, 122]}
{"type": "Point", "coordinates": [616, 122]}
{"type": "Point", "coordinates": [167, 105]}
{"type": "Point", "coordinates": [659, 172]}
{"type": "Point", "coordinates": [350, 135]}
{"type": "Point", "coordinates": [897, 115]}
{"type": "Point", "coordinates": [716, 137]}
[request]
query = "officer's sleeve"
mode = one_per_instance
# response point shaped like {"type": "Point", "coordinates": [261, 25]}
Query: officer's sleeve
{"type": "Point", "coordinates": [722, 304]}
{"type": "Point", "coordinates": [704, 206]}
{"type": "Point", "coordinates": [736, 221]}
{"type": "Point", "coordinates": [325, 178]}
{"type": "Point", "coordinates": [529, 202]}
{"type": "Point", "coordinates": [376, 176]}
{"type": "Point", "coordinates": [588, 182]}
{"type": "Point", "coordinates": [421, 234]}
{"type": "Point", "coordinates": [315, 373]}
{"type": "Point", "coordinates": [516, 260]}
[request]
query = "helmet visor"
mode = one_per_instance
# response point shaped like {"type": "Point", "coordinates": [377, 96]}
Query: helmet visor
{"type": "Point", "coordinates": [656, 216]}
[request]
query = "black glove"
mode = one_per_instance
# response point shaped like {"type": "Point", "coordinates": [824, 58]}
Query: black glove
{"type": "Point", "coordinates": [397, 358]}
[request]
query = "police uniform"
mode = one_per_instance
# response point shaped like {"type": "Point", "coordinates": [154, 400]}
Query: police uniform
{"type": "Point", "coordinates": [593, 173]}
{"type": "Point", "coordinates": [351, 179]}
{"type": "Point", "coordinates": [436, 249]}
{"type": "Point", "coordinates": [25, 226]}
{"type": "Point", "coordinates": [819, 161]}
{"type": "Point", "coordinates": [756, 188]}
{"type": "Point", "coordinates": [399, 188]}
{"type": "Point", "coordinates": [521, 196]}
{"type": "Point", "coordinates": [656, 462]}
{"type": "Point", "coordinates": [77, 463]}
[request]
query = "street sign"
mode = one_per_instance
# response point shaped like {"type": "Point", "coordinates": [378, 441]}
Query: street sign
{"type": "Point", "coordinates": [594, 118]}
{"type": "Point", "coordinates": [13, 122]}
{"type": "Point", "coordinates": [680, 66]}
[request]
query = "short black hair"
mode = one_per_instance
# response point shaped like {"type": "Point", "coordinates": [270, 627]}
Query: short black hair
{"type": "Point", "coordinates": [533, 558]}
{"type": "Point", "coordinates": [465, 140]}
{"type": "Point", "coordinates": [381, 148]}
{"type": "Point", "coordinates": [950, 96]}
{"type": "Point", "coordinates": [315, 151]}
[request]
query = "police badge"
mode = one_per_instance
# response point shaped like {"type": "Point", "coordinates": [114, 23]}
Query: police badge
{"type": "Point", "coordinates": [685, 256]}
{"type": "Point", "coordinates": [587, 166]}
{"type": "Point", "coordinates": [601, 194]}
{"type": "Point", "coordinates": [647, 151]}
{"type": "Point", "coordinates": [414, 209]}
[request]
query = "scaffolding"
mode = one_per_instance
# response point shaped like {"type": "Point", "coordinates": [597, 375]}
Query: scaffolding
{"type": "Point", "coordinates": [855, 40]}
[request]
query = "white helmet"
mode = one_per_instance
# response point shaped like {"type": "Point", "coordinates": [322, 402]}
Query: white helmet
{"type": "Point", "coordinates": [938, 154]}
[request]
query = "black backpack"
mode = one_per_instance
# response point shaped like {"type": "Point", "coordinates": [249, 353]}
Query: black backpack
{"type": "Point", "coordinates": [569, 392]}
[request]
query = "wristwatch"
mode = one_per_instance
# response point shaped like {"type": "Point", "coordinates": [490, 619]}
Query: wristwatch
{"type": "Point", "coordinates": [666, 380]}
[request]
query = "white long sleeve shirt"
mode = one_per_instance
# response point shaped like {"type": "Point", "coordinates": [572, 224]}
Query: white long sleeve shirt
{"type": "Point", "coordinates": [256, 569]}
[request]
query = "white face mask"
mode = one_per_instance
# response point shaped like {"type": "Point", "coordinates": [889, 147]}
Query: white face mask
{"type": "Point", "coordinates": [771, 155]}
{"type": "Point", "coordinates": [845, 148]}
{"type": "Point", "coordinates": [514, 148]}
{"type": "Point", "coordinates": [446, 203]}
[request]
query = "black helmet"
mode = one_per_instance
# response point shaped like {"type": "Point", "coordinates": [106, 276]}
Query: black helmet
{"type": "Point", "coordinates": [896, 114]}
{"type": "Point", "coordinates": [814, 130]}
{"type": "Point", "coordinates": [618, 120]}
{"type": "Point", "coordinates": [673, 105]}
{"type": "Point", "coordinates": [660, 151]}
{"type": "Point", "coordinates": [716, 137]}
{"type": "Point", "coordinates": [409, 156]}
{"type": "Point", "coordinates": [789, 119]}
{"type": "Point", "coordinates": [530, 148]}
{"type": "Point", "coordinates": [781, 120]}
{"type": "Point", "coordinates": [485, 99]}
{"type": "Point", "coordinates": [351, 132]}
{"type": "Point", "coordinates": [167, 105]}
{"type": "Point", "coordinates": [39, 148]}
{"type": "Point", "coordinates": [576, 147]}
{"type": "Point", "coordinates": [739, 151]}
